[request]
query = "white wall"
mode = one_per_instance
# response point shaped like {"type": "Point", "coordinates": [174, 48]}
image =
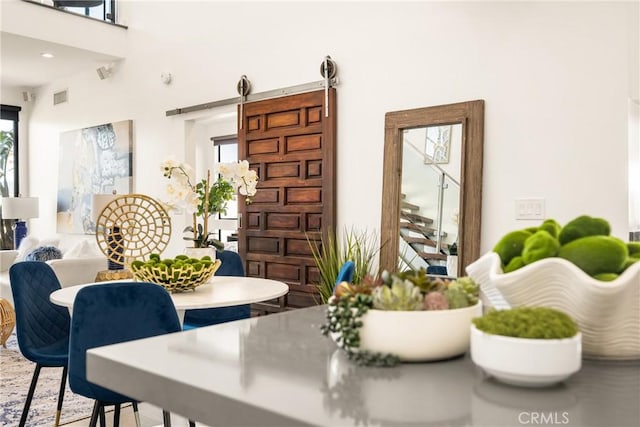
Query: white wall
{"type": "Point", "coordinates": [556, 78]}
{"type": "Point", "coordinates": [634, 165]}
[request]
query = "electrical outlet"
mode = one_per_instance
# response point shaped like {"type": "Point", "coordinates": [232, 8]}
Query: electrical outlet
{"type": "Point", "coordinates": [530, 209]}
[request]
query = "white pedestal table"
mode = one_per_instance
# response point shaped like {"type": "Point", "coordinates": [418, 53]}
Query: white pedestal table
{"type": "Point", "coordinates": [221, 291]}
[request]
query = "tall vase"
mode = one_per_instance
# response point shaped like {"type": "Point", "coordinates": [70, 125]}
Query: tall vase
{"type": "Point", "coordinates": [200, 252]}
{"type": "Point", "coordinates": [115, 251]}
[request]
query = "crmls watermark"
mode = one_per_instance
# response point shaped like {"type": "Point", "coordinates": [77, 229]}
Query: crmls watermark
{"type": "Point", "coordinates": [543, 418]}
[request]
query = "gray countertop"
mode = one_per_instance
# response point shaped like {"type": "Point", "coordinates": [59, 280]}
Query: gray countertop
{"type": "Point", "coordinates": [279, 370]}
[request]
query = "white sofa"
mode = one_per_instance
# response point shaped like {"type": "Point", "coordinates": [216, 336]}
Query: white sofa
{"type": "Point", "coordinates": [69, 270]}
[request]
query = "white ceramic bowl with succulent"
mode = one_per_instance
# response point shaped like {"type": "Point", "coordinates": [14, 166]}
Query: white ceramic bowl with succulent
{"type": "Point", "coordinates": [407, 317]}
{"type": "Point", "coordinates": [416, 336]}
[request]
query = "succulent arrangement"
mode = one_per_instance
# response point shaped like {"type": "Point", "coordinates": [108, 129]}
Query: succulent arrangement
{"type": "Point", "coordinates": [585, 241]}
{"type": "Point", "coordinates": [528, 322]}
{"type": "Point", "coordinates": [412, 290]}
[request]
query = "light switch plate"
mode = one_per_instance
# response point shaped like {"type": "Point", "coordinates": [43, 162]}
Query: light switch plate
{"type": "Point", "coordinates": [529, 208]}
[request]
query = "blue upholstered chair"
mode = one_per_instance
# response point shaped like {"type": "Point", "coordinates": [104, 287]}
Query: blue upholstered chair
{"type": "Point", "coordinates": [42, 328]}
{"type": "Point", "coordinates": [440, 270]}
{"type": "Point", "coordinates": [346, 272]}
{"type": "Point", "coordinates": [111, 313]}
{"type": "Point", "coordinates": [231, 266]}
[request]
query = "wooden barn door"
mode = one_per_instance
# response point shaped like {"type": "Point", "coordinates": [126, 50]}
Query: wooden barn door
{"type": "Point", "coordinates": [291, 144]}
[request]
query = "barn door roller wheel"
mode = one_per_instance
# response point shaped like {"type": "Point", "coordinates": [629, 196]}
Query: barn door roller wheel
{"type": "Point", "coordinates": [243, 87]}
{"type": "Point", "coordinates": [328, 70]}
{"type": "Point", "coordinates": [328, 64]}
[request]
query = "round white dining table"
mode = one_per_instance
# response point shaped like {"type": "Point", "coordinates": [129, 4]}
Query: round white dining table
{"type": "Point", "coordinates": [220, 291]}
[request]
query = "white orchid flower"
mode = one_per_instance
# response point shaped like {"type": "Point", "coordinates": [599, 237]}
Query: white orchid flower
{"type": "Point", "coordinates": [243, 167]}
{"type": "Point", "coordinates": [227, 170]}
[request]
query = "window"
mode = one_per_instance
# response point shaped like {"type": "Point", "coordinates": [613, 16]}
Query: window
{"type": "Point", "coordinates": [99, 9]}
{"type": "Point", "coordinates": [9, 185]}
{"type": "Point", "coordinates": [226, 151]}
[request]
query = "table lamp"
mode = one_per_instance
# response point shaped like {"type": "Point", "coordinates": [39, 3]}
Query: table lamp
{"type": "Point", "coordinates": [19, 208]}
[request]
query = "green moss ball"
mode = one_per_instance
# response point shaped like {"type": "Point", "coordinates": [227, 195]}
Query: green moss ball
{"type": "Point", "coordinates": [634, 249]}
{"type": "Point", "coordinates": [511, 245]}
{"type": "Point", "coordinates": [539, 246]}
{"type": "Point", "coordinates": [528, 322]}
{"type": "Point", "coordinates": [551, 226]}
{"type": "Point", "coordinates": [606, 277]}
{"type": "Point", "coordinates": [514, 264]}
{"type": "Point", "coordinates": [583, 226]}
{"type": "Point", "coordinates": [596, 254]}
{"type": "Point", "coordinates": [630, 261]}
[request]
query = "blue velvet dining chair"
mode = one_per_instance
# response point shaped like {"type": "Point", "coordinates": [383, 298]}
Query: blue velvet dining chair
{"type": "Point", "coordinates": [111, 313]}
{"type": "Point", "coordinates": [231, 266]}
{"type": "Point", "coordinates": [42, 328]}
{"type": "Point", "coordinates": [346, 272]}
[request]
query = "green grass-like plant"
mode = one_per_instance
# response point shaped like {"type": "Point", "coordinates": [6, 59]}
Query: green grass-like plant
{"type": "Point", "coordinates": [329, 254]}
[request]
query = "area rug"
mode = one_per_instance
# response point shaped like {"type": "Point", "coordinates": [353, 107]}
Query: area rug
{"type": "Point", "coordinates": [15, 378]}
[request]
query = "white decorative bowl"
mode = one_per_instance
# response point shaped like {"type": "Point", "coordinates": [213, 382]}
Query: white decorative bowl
{"type": "Point", "coordinates": [418, 335]}
{"type": "Point", "coordinates": [607, 313]}
{"type": "Point", "coordinates": [526, 361]}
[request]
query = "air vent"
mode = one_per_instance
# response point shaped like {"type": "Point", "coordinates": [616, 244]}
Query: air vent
{"type": "Point", "coordinates": [60, 97]}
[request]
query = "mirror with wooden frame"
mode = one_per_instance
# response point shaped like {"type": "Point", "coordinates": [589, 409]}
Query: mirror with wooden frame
{"type": "Point", "coordinates": [432, 155]}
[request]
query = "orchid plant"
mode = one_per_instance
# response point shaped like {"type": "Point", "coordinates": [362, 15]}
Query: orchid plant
{"type": "Point", "coordinates": [203, 199]}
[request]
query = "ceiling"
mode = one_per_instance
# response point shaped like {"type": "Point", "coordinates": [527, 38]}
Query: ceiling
{"type": "Point", "coordinates": [22, 66]}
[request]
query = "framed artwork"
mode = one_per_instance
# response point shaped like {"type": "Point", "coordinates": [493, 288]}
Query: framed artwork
{"type": "Point", "coordinates": [94, 160]}
{"type": "Point", "coordinates": [437, 143]}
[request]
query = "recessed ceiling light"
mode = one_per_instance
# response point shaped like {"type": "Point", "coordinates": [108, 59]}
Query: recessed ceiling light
{"type": "Point", "coordinates": [46, 55]}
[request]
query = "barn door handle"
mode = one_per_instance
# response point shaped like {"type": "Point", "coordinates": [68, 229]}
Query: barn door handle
{"type": "Point", "coordinates": [239, 221]}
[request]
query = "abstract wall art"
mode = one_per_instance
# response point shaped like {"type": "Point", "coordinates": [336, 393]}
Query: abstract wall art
{"type": "Point", "coordinates": [94, 160]}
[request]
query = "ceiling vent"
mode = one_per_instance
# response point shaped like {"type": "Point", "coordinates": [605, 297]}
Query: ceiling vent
{"type": "Point", "coordinates": [60, 97]}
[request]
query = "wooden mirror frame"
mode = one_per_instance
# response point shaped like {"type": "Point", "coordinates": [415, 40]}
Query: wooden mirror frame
{"type": "Point", "coordinates": [471, 115]}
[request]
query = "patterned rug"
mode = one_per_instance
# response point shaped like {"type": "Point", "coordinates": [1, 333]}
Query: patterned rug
{"type": "Point", "coordinates": [15, 377]}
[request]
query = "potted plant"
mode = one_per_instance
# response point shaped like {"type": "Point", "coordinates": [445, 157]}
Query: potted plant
{"type": "Point", "coordinates": [527, 346]}
{"type": "Point", "coordinates": [405, 316]}
{"type": "Point", "coordinates": [329, 256]}
{"type": "Point", "coordinates": [204, 198]}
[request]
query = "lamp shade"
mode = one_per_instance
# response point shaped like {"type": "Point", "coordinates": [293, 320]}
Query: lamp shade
{"type": "Point", "coordinates": [98, 203]}
{"type": "Point", "coordinates": [20, 207]}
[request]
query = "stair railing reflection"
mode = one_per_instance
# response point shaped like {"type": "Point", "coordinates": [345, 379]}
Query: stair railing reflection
{"type": "Point", "coordinates": [443, 176]}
